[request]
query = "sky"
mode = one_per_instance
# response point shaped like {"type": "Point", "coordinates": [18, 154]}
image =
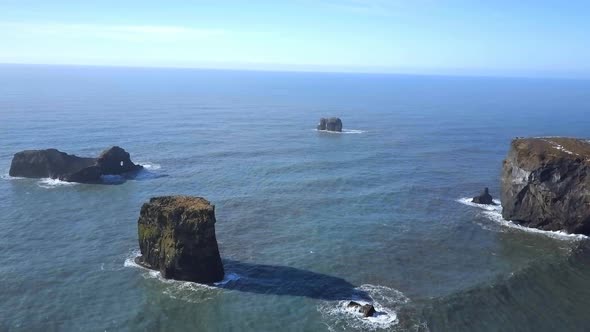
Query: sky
{"type": "Point", "coordinates": [506, 38]}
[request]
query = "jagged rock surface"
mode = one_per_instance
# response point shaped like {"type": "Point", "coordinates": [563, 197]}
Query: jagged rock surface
{"type": "Point", "coordinates": [546, 184]}
{"type": "Point", "coordinates": [367, 310]}
{"type": "Point", "coordinates": [330, 124]}
{"type": "Point", "coordinates": [52, 163]}
{"type": "Point", "coordinates": [177, 238]}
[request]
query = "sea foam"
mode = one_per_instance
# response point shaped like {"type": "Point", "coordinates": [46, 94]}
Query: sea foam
{"type": "Point", "coordinates": [179, 284]}
{"type": "Point", "coordinates": [344, 131]}
{"type": "Point", "coordinates": [6, 176]}
{"type": "Point", "coordinates": [494, 213]}
{"type": "Point", "coordinates": [150, 166]}
{"type": "Point", "coordinates": [386, 301]}
{"type": "Point", "coordinates": [48, 183]}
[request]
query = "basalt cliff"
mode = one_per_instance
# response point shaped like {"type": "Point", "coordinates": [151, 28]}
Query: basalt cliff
{"type": "Point", "coordinates": [177, 238]}
{"type": "Point", "coordinates": [546, 184]}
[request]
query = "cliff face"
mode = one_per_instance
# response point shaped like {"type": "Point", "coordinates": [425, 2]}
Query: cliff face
{"type": "Point", "coordinates": [177, 238]}
{"type": "Point", "coordinates": [546, 184]}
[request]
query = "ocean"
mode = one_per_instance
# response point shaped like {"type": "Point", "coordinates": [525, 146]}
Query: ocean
{"type": "Point", "coordinates": [306, 220]}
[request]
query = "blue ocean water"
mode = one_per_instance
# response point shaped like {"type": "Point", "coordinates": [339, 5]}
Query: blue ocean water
{"type": "Point", "coordinates": [306, 220]}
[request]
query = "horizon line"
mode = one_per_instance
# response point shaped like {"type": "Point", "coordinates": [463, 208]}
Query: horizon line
{"type": "Point", "coordinates": [307, 70]}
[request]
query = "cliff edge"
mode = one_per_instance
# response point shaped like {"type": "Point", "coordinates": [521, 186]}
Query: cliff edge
{"type": "Point", "coordinates": [546, 184]}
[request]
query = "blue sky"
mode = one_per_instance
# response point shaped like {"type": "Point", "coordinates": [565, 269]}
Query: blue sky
{"type": "Point", "coordinates": [517, 38]}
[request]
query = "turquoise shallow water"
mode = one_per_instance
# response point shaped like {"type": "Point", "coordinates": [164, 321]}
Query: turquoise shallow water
{"type": "Point", "coordinates": [306, 220]}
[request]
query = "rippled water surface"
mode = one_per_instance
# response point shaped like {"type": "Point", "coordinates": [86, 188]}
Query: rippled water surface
{"type": "Point", "coordinates": [306, 220]}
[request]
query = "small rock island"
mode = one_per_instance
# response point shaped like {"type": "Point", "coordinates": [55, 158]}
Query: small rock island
{"type": "Point", "coordinates": [484, 198]}
{"type": "Point", "coordinates": [330, 124]}
{"type": "Point", "coordinates": [177, 238]}
{"type": "Point", "coordinates": [54, 164]}
{"type": "Point", "coordinates": [367, 310]}
{"type": "Point", "coordinates": [546, 184]}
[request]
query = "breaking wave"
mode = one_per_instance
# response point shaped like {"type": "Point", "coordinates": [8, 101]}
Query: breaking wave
{"type": "Point", "coordinates": [344, 131]}
{"type": "Point", "coordinates": [494, 213]}
{"type": "Point", "coordinates": [6, 176]}
{"type": "Point", "coordinates": [150, 166]}
{"type": "Point", "coordinates": [48, 183]}
{"type": "Point", "coordinates": [387, 303]}
{"type": "Point", "coordinates": [181, 290]}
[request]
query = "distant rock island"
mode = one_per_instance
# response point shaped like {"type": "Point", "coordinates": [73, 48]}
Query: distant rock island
{"type": "Point", "coordinates": [54, 164]}
{"type": "Point", "coordinates": [484, 198]}
{"type": "Point", "coordinates": [330, 124]}
{"type": "Point", "coordinates": [546, 184]}
{"type": "Point", "coordinates": [177, 238]}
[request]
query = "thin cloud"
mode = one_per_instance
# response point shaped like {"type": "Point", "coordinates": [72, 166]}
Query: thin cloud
{"type": "Point", "coordinates": [374, 7]}
{"type": "Point", "coordinates": [114, 32]}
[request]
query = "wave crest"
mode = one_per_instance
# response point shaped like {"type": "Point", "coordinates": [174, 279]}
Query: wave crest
{"type": "Point", "coordinates": [387, 302]}
{"type": "Point", "coordinates": [48, 183]}
{"type": "Point", "coordinates": [494, 213]}
{"type": "Point", "coordinates": [344, 131]}
{"type": "Point", "coordinates": [181, 290]}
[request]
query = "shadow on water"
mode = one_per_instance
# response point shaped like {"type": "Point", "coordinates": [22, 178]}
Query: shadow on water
{"type": "Point", "coordinates": [546, 295]}
{"type": "Point", "coordinates": [284, 280]}
{"type": "Point", "coordinates": [141, 175]}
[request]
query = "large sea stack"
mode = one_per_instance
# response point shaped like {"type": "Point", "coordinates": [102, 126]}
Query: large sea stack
{"type": "Point", "coordinates": [330, 124]}
{"type": "Point", "coordinates": [546, 184]}
{"type": "Point", "coordinates": [177, 238]}
{"type": "Point", "coordinates": [54, 164]}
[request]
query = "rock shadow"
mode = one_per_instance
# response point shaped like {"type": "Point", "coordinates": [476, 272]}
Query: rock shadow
{"type": "Point", "coordinates": [140, 175]}
{"type": "Point", "coordinates": [284, 280]}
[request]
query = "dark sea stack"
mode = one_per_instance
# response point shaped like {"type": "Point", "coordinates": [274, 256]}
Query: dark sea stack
{"type": "Point", "coordinates": [116, 161]}
{"type": "Point", "coordinates": [330, 124]}
{"type": "Point", "coordinates": [546, 184]}
{"type": "Point", "coordinates": [177, 238]}
{"type": "Point", "coordinates": [322, 124]}
{"type": "Point", "coordinates": [49, 163]}
{"type": "Point", "coordinates": [90, 174]}
{"type": "Point", "coordinates": [484, 198]}
{"type": "Point", "coordinates": [54, 164]}
{"type": "Point", "coordinates": [366, 309]}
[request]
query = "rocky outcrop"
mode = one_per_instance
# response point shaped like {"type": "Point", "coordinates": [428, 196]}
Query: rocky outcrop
{"type": "Point", "coordinates": [484, 198]}
{"type": "Point", "coordinates": [54, 164]}
{"type": "Point", "coordinates": [116, 161]}
{"type": "Point", "coordinates": [330, 124]}
{"type": "Point", "coordinates": [177, 238]}
{"type": "Point", "coordinates": [546, 184]}
{"type": "Point", "coordinates": [367, 310]}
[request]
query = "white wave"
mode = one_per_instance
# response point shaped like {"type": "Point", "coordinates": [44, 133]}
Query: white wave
{"type": "Point", "coordinates": [7, 176]}
{"type": "Point", "coordinates": [494, 213]}
{"type": "Point", "coordinates": [130, 260]}
{"type": "Point", "coordinates": [179, 284]}
{"type": "Point", "coordinates": [150, 166]}
{"type": "Point", "coordinates": [54, 183]}
{"type": "Point", "coordinates": [467, 201]}
{"type": "Point", "coordinates": [386, 301]}
{"type": "Point", "coordinates": [229, 277]}
{"type": "Point", "coordinates": [344, 131]}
